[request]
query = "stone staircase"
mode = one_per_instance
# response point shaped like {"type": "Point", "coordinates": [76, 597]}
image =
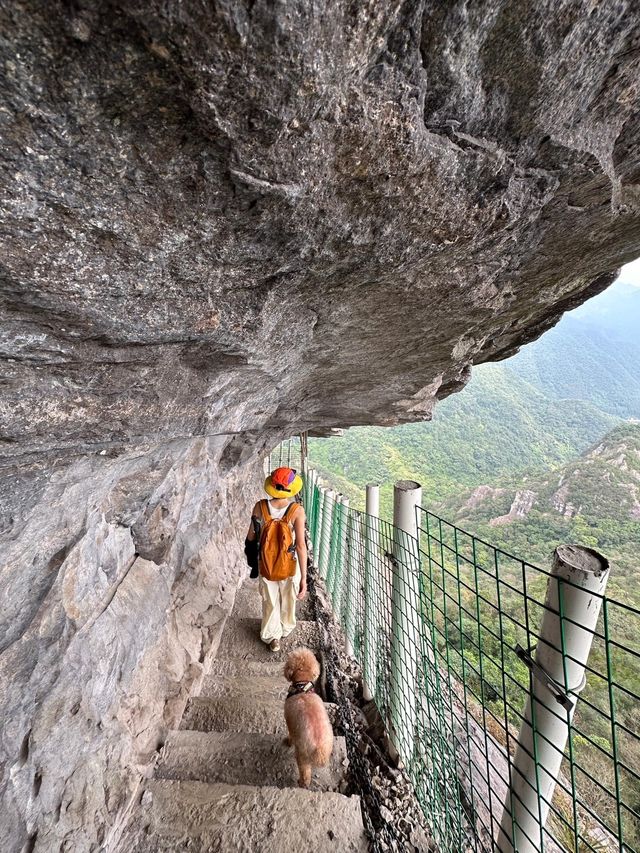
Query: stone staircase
{"type": "Point", "coordinates": [225, 781]}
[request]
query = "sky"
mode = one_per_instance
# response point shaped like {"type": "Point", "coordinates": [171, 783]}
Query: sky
{"type": "Point", "coordinates": [618, 306]}
{"type": "Point", "coordinates": [630, 274]}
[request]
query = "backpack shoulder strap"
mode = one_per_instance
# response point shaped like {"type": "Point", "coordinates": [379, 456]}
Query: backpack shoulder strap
{"type": "Point", "coordinates": [264, 509]}
{"type": "Point", "coordinates": [290, 512]}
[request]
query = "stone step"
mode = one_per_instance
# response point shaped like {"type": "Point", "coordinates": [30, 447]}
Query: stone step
{"type": "Point", "coordinates": [241, 639]}
{"type": "Point", "coordinates": [201, 818]}
{"type": "Point", "coordinates": [249, 686]}
{"type": "Point", "coordinates": [236, 667]}
{"type": "Point", "coordinates": [243, 759]}
{"type": "Point", "coordinates": [239, 714]}
{"type": "Point", "coordinates": [248, 604]}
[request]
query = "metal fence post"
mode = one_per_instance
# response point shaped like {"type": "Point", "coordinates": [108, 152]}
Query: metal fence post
{"type": "Point", "coordinates": [331, 545]}
{"type": "Point", "coordinates": [309, 501]}
{"type": "Point", "coordinates": [574, 594]}
{"type": "Point", "coordinates": [313, 499]}
{"type": "Point", "coordinates": [405, 616]}
{"type": "Point", "coordinates": [328, 504]}
{"type": "Point", "coordinates": [372, 592]}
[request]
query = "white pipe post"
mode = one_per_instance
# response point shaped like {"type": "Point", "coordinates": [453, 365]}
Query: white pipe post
{"type": "Point", "coordinates": [574, 595]}
{"type": "Point", "coordinates": [354, 562]}
{"type": "Point", "coordinates": [328, 503]}
{"type": "Point", "coordinates": [340, 561]}
{"type": "Point", "coordinates": [304, 453]}
{"type": "Point", "coordinates": [372, 589]}
{"type": "Point", "coordinates": [405, 617]}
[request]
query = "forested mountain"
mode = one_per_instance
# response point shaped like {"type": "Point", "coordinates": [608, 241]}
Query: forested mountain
{"type": "Point", "coordinates": [592, 354]}
{"type": "Point", "coordinates": [594, 500]}
{"type": "Point", "coordinates": [498, 425]}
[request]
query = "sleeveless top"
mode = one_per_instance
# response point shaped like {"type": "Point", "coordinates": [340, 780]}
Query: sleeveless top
{"type": "Point", "coordinates": [278, 513]}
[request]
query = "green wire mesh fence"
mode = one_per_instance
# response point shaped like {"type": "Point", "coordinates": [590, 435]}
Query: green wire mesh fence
{"type": "Point", "coordinates": [443, 649]}
{"type": "Point", "coordinates": [291, 453]}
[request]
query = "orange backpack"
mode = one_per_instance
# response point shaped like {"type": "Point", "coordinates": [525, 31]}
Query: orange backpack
{"type": "Point", "coordinates": [277, 556]}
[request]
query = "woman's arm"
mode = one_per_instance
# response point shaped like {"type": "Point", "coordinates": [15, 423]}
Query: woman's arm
{"type": "Point", "coordinates": [301, 549]}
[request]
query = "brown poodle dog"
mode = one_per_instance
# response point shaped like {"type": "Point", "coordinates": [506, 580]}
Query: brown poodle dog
{"type": "Point", "coordinates": [310, 731]}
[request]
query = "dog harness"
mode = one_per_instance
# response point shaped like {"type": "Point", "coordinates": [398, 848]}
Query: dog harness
{"type": "Point", "coordinates": [300, 687]}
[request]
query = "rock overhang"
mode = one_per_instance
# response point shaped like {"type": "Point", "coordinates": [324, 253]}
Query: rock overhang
{"type": "Point", "coordinates": [312, 217]}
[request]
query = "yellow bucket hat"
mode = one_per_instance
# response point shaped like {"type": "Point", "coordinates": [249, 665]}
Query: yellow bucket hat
{"type": "Point", "coordinates": [283, 483]}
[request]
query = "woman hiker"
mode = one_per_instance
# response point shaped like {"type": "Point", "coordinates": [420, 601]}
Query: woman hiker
{"type": "Point", "coordinates": [278, 530]}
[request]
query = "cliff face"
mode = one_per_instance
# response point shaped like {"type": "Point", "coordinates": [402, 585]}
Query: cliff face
{"type": "Point", "coordinates": [221, 225]}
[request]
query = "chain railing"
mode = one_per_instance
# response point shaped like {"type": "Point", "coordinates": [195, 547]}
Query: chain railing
{"type": "Point", "coordinates": [444, 627]}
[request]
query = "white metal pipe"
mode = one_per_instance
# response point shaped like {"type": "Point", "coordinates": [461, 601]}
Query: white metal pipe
{"type": "Point", "coordinates": [372, 588]}
{"type": "Point", "coordinates": [373, 500]}
{"type": "Point", "coordinates": [405, 616]}
{"type": "Point", "coordinates": [328, 503]}
{"type": "Point", "coordinates": [574, 595]}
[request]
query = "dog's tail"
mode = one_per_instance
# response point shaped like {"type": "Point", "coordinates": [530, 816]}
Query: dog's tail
{"type": "Point", "coordinates": [322, 754]}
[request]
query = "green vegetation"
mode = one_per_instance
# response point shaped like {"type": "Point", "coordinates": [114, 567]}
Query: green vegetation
{"type": "Point", "coordinates": [593, 500]}
{"type": "Point", "coordinates": [498, 425]}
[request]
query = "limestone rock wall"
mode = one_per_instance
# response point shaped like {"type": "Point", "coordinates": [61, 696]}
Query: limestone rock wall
{"type": "Point", "coordinates": [103, 642]}
{"type": "Point", "coordinates": [223, 223]}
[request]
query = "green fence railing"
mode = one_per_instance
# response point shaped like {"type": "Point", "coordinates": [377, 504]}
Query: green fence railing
{"type": "Point", "coordinates": [290, 453]}
{"type": "Point", "coordinates": [446, 664]}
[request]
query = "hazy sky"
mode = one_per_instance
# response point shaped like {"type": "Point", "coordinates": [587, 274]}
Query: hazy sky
{"type": "Point", "coordinates": [630, 274]}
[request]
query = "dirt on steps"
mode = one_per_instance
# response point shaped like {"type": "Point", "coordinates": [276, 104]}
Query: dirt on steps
{"type": "Point", "coordinates": [242, 667]}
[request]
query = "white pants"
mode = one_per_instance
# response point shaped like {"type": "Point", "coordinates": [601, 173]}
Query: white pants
{"type": "Point", "coordinates": [278, 607]}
